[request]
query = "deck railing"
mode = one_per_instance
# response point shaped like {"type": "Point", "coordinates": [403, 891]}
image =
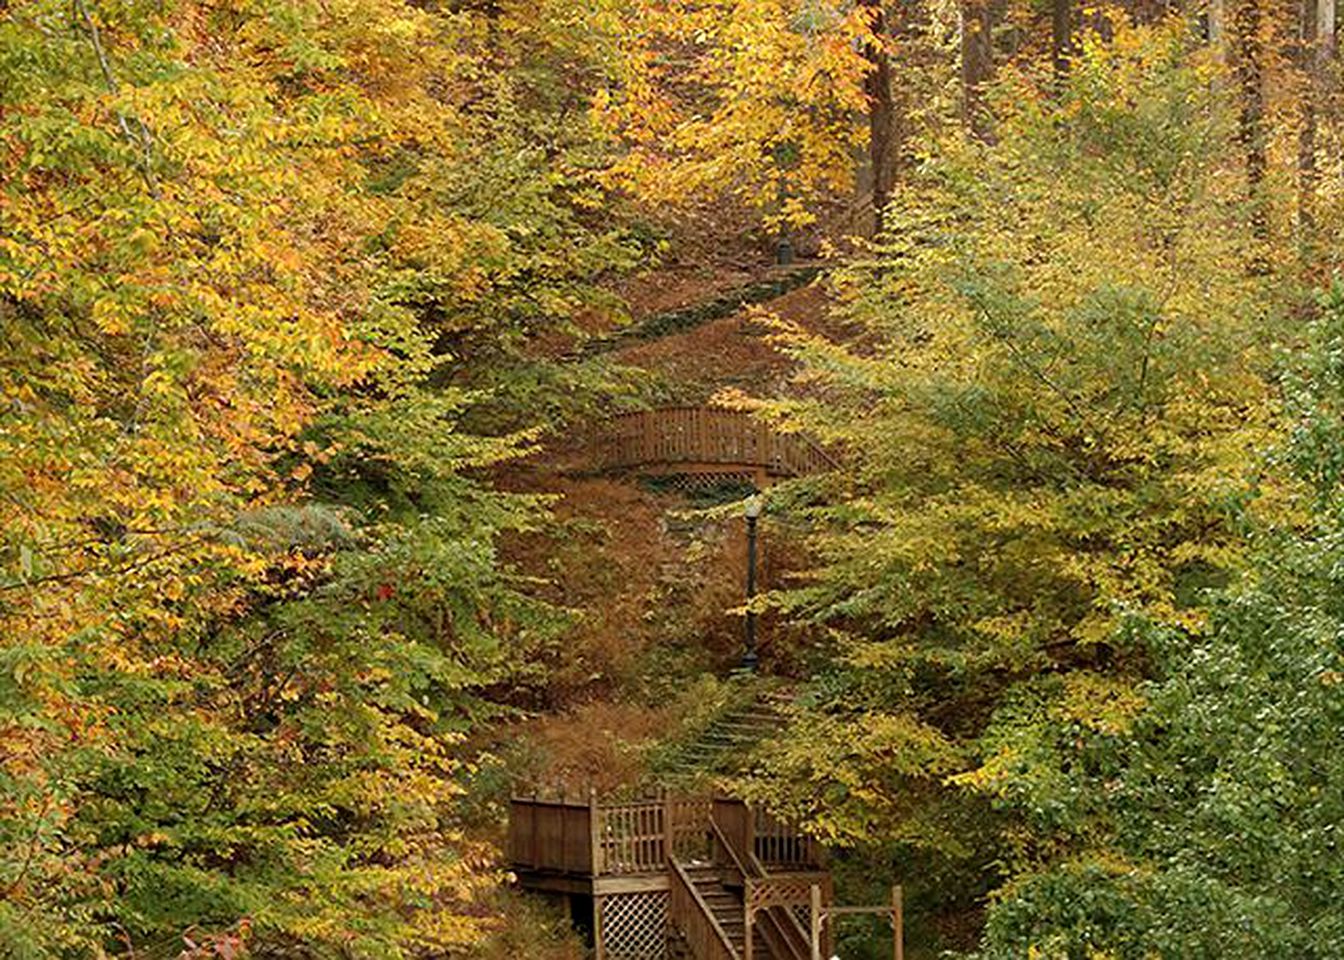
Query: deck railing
{"type": "Point", "coordinates": [599, 838]}
{"type": "Point", "coordinates": [593, 837]}
{"type": "Point", "coordinates": [780, 845]}
{"type": "Point", "coordinates": [551, 835]}
{"type": "Point", "coordinates": [638, 837]}
{"type": "Point", "coordinates": [777, 866]}
{"type": "Point", "coordinates": [702, 438]}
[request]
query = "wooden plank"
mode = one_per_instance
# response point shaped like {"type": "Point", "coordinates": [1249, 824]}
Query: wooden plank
{"type": "Point", "coordinates": [554, 882]}
{"type": "Point", "coordinates": [814, 925]}
{"type": "Point", "coordinates": [631, 883]}
{"type": "Point", "coordinates": [599, 945]}
{"type": "Point", "coordinates": [689, 913]}
{"type": "Point", "coordinates": [702, 435]}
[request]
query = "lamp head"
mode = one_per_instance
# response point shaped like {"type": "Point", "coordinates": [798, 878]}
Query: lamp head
{"type": "Point", "coordinates": [752, 506]}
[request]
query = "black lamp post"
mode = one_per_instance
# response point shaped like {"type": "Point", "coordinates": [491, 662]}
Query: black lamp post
{"type": "Point", "coordinates": [751, 509]}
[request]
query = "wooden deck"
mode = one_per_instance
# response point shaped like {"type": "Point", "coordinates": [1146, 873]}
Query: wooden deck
{"type": "Point", "coordinates": [639, 867]}
{"type": "Point", "coordinates": [704, 441]}
{"type": "Point", "coordinates": [573, 846]}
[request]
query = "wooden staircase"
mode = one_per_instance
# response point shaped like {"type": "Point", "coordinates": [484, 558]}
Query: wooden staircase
{"type": "Point", "coordinates": [731, 906]}
{"type": "Point", "coordinates": [696, 878]}
{"type": "Point", "coordinates": [725, 903]}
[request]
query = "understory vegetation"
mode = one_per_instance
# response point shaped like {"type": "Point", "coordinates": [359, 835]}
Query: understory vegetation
{"type": "Point", "coordinates": [313, 313]}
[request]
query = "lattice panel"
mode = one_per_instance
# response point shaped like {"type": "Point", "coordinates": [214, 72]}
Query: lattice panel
{"type": "Point", "coordinates": [634, 926]}
{"type": "Point", "coordinates": [706, 481]}
{"type": "Point", "coordinates": [783, 892]}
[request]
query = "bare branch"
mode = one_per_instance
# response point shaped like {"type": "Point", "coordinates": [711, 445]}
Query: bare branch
{"type": "Point", "coordinates": [142, 142]}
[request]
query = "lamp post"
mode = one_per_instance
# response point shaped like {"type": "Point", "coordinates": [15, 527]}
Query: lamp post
{"type": "Point", "coordinates": [751, 509]}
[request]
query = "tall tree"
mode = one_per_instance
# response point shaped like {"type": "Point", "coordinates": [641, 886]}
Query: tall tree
{"type": "Point", "coordinates": [1044, 417]}
{"type": "Point", "coordinates": [1315, 53]}
{"type": "Point", "coordinates": [977, 63]}
{"type": "Point", "coordinates": [883, 124]}
{"type": "Point", "coordinates": [260, 267]}
{"type": "Point", "coordinates": [1061, 36]}
{"type": "Point", "coordinates": [1247, 28]}
{"type": "Point", "coordinates": [1234, 769]}
{"type": "Point", "coordinates": [764, 100]}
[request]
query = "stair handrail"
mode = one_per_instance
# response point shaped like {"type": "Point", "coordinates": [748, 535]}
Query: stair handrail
{"type": "Point", "coordinates": [779, 924]}
{"type": "Point", "coordinates": [718, 946]}
{"type": "Point", "coordinates": [736, 861]}
{"type": "Point", "coordinates": [790, 928]}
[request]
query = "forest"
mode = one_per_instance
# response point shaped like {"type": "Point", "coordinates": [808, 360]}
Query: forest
{"type": "Point", "coordinates": [636, 479]}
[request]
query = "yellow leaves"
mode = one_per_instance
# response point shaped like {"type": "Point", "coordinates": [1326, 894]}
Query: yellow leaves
{"type": "Point", "coordinates": [1105, 704]}
{"type": "Point", "coordinates": [785, 112]}
{"type": "Point", "coordinates": [110, 316]}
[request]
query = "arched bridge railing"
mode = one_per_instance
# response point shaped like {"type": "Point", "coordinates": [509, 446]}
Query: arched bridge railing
{"type": "Point", "coordinates": [704, 440]}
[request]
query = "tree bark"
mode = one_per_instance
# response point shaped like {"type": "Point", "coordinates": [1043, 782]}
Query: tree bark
{"type": "Point", "coordinates": [883, 135]}
{"type": "Point", "coordinates": [1217, 24]}
{"type": "Point", "coordinates": [1061, 36]}
{"type": "Point", "coordinates": [1316, 48]}
{"type": "Point", "coordinates": [1306, 138]}
{"type": "Point", "coordinates": [977, 64]}
{"type": "Point", "coordinates": [1247, 22]}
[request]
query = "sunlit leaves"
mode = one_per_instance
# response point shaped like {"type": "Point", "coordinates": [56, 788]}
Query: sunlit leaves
{"type": "Point", "coordinates": [1059, 375]}
{"type": "Point", "coordinates": [234, 240]}
{"type": "Point", "coordinates": [760, 98]}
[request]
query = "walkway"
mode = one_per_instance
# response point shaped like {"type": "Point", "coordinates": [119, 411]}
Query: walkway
{"type": "Point", "coordinates": [705, 441]}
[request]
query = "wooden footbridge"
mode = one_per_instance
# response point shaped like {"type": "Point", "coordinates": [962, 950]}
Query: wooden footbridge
{"type": "Point", "coordinates": [704, 443]}
{"type": "Point", "coordinates": [705, 878]}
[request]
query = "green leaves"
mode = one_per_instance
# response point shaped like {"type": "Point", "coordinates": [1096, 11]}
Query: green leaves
{"type": "Point", "coordinates": [1233, 774]}
{"type": "Point", "coordinates": [1060, 372]}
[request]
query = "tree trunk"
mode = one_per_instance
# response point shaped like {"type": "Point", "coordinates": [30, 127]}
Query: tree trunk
{"type": "Point", "coordinates": [1316, 49]}
{"type": "Point", "coordinates": [1307, 174]}
{"type": "Point", "coordinates": [1061, 36]}
{"type": "Point", "coordinates": [883, 135]}
{"type": "Point", "coordinates": [1248, 52]}
{"type": "Point", "coordinates": [977, 64]}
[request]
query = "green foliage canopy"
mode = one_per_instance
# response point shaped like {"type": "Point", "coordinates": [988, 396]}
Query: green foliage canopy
{"type": "Point", "coordinates": [1050, 409]}
{"type": "Point", "coordinates": [1222, 803]}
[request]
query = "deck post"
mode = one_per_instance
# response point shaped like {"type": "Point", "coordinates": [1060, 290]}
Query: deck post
{"type": "Point", "coordinates": [669, 836]}
{"type": "Point", "coordinates": [535, 818]}
{"type": "Point", "coordinates": [599, 948]}
{"type": "Point", "coordinates": [564, 816]}
{"type": "Point", "coordinates": [815, 927]}
{"type": "Point", "coordinates": [749, 919]}
{"type": "Point", "coordinates": [594, 839]}
{"type": "Point", "coordinates": [898, 922]}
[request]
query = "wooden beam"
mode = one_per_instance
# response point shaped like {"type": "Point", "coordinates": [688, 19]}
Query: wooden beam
{"type": "Point", "coordinates": [814, 927]}
{"type": "Point", "coordinates": [553, 882]}
{"type": "Point", "coordinates": [599, 948]}
{"type": "Point", "coordinates": [594, 834]}
{"type": "Point", "coordinates": [630, 883]}
{"type": "Point", "coordinates": [898, 922]}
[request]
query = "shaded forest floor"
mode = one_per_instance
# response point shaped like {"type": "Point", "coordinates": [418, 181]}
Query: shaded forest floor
{"type": "Point", "coordinates": [652, 576]}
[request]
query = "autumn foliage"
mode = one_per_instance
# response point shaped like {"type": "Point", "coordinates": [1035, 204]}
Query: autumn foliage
{"type": "Point", "coordinates": [294, 298]}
